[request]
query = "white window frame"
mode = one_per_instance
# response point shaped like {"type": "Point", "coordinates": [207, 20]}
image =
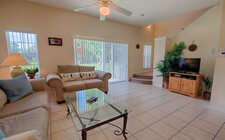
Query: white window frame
{"type": "Point", "coordinates": [102, 40]}
{"type": "Point", "coordinates": [19, 31]}
{"type": "Point", "coordinates": [147, 57]}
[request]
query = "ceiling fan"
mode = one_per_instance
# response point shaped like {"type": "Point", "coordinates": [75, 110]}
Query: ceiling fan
{"type": "Point", "coordinates": [105, 7]}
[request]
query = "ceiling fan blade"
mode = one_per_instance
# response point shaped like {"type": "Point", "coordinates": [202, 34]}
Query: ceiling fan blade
{"type": "Point", "coordinates": [102, 18]}
{"type": "Point", "coordinates": [121, 10]}
{"type": "Point", "coordinates": [84, 7]}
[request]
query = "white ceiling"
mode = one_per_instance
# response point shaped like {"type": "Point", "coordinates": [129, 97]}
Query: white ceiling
{"type": "Point", "coordinates": [154, 10]}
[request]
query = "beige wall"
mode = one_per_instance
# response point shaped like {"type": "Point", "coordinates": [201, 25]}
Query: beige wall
{"type": "Point", "coordinates": [218, 90]}
{"type": "Point", "coordinates": [172, 26]}
{"type": "Point", "coordinates": [204, 31]}
{"type": "Point", "coordinates": [46, 21]}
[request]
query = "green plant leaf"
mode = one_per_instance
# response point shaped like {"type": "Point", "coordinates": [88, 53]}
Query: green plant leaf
{"type": "Point", "coordinates": [167, 65]}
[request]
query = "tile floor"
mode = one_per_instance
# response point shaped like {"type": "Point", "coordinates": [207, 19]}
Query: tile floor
{"type": "Point", "coordinates": [156, 114]}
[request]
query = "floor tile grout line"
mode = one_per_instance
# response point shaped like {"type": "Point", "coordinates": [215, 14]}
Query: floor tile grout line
{"type": "Point", "coordinates": [148, 100]}
{"type": "Point", "coordinates": [209, 121]}
{"type": "Point", "coordinates": [60, 119]}
{"type": "Point", "coordinates": [145, 101]}
{"type": "Point", "coordinates": [218, 131]}
{"type": "Point", "coordinates": [107, 128]}
{"type": "Point", "coordinates": [162, 117]}
{"type": "Point", "coordinates": [203, 129]}
{"type": "Point", "coordinates": [165, 117]}
{"type": "Point", "coordinates": [104, 133]}
{"type": "Point", "coordinates": [188, 124]}
{"type": "Point", "coordinates": [152, 109]}
{"type": "Point", "coordinates": [156, 107]}
{"type": "Point", "coordinates": [62, 130]}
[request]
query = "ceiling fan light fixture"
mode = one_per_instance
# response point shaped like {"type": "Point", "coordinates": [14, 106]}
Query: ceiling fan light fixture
{"type": "Point", "coordinates": [104, 10]}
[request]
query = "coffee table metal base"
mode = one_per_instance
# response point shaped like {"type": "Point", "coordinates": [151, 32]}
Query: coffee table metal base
{"type": "Point", "coordinates": [116, 132]}
{"type": "Point", "coordinates": [121, 131]}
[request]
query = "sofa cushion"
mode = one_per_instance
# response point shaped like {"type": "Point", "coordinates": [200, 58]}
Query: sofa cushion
{"type": "Point", "coordinates": [67, 68]}
{"type": "Point", "coordinates": [16, 88]}
{"type": "Point", "coordinates": [93, 83]}
{"type": "Point", "coordinates": [29, 135]}
{"type": "Point", "coordinates": [86, 68]}
{"type": "Point", "coordinates": [88, 75]}
{"type": "Point", "coordinates": [74, 86]}
{"type": "Point", "coordinates": [70, 76]}
{"type": "Point", "coordinates": [3, 98]}
{"type": "Point", "coordinates": [36, 119]}
{"type": "Point", "coordinates": [34, 100]}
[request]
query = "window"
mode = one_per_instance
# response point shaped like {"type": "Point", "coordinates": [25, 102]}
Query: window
{"type": "Point", "coordinates": [26, 44]}
{"type": "Point", "coordinates": [106, 56]}
{"type": "Point", "coordinates": [147, 56]}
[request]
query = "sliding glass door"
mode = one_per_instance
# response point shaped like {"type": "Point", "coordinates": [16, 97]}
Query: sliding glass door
{"type": "Point", "coordinates": [106, 56]}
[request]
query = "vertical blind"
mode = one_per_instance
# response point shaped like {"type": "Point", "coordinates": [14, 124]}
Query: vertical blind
{"type": "Point", "coordinates": [106, 56]}
{"type": "Point", "coordinates": [147, 56]}
{"type": "Point", "coordinates": [26, 44]}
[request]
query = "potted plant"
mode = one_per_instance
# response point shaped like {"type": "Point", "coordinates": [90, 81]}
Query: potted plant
{"type": "Point", "coordinates": [163, 68]}
{"type": "Point", "coordinates": [168, 64]}
{"type": "Point", "coordinates": [208, 84]}
{"type": "Point", "coordinates": [31, 72]}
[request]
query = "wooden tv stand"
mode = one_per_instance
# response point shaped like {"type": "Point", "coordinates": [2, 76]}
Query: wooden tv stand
{"type": "Point", "coordinates": [185, 83]}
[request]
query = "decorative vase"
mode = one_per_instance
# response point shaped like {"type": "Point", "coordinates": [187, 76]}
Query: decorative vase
{"type": "Point", "coordinates": [31, 75]}
{"type": "Point", "coordinates": [207, 95]}
{"type": "Point", "coordinates": [166, 84]}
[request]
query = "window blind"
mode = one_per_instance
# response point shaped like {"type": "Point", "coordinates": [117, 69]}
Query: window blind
{"type": "Point", "coordinates": [26, 44]}
{"type": "Point", "coordinates": [106, 56]}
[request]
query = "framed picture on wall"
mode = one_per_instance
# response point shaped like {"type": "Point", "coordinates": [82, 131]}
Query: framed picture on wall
{"type": "Point", "coordinates": [55, 41]}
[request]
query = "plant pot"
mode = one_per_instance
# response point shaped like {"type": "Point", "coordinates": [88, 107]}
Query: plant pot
{"type": "Point", "coordinates": [166, 84]}
{"type": "Point", "coordinates": [207, 95]}
{"type": "Point", "coordinates": [31, 75]}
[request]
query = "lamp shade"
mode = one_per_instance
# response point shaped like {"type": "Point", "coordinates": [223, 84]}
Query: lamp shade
{"type": "Point", "coordinates": [14, 59]}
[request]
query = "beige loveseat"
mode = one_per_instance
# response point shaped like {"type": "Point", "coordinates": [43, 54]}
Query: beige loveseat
{"type": "Point", "coordinates": [59, 86]}
{"type": "Point", "coordinates": [27, 116]}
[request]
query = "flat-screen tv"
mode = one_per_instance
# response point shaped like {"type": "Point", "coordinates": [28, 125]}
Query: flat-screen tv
{"type": "Point", "coordinates": [188, 65]}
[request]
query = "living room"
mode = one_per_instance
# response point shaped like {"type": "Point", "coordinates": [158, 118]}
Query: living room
{"type": "Point", "coordinates": [52, 35]}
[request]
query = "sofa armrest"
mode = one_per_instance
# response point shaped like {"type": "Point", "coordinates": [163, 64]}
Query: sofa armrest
{"type": "Point", "coordinates": [29, 135]}
{"type": "Point", "coordinates": [38, 84]}
{"type": "Point", "coordinates": [105, 76]}
{"type": "Point", "coordinates": [53, 80]}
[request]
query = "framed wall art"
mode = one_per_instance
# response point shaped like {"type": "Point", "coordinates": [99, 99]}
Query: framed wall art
{"type": "Point", "coordinates": [53, 41]}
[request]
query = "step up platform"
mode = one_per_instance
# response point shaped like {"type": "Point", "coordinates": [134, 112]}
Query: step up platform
{"type": "Point", "coordinates": [142, 78]}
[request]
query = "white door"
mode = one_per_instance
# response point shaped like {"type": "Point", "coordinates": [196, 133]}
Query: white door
{"type": "Point", "coordinates": [105, 56]}
{"type": "Point", "coordinates": [159, 54]}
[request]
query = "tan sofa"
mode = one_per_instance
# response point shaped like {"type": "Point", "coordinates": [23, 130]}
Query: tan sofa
{"type": "Point", "coordinates": [60, 87]}
{"type": "Point", "coordinates": [28, 114]}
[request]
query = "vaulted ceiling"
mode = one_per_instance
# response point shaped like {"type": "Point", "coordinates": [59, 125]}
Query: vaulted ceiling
{"type": "Point", "coordinates": [153, 10]}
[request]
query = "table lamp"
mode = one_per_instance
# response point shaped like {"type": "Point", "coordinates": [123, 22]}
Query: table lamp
{"type": "Point", "coordinates": [16, 60]}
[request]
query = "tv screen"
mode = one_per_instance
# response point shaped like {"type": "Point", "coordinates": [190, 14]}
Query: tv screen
{"type": "Point", "coordinates": [189, 64]}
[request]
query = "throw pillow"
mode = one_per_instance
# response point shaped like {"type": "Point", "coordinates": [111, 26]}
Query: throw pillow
{"type": "Point", "coordinates": [70, 76]}
{"type": "Point", "coordinates": [88, 75]}
{"type": "Point", "coordinates": [16, 88]}
{"type": "Point", "coordinates": [2, 135]}
{"type": "Point", "coordinates": [3, 98]}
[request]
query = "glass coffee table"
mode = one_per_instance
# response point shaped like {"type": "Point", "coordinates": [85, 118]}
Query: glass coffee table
{"type": "Point", "coordinates": [92, 108]}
